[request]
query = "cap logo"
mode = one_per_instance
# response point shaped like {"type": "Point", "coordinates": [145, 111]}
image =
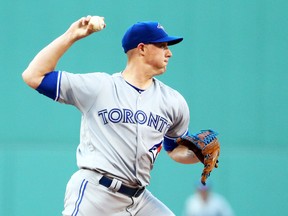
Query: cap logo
{"type": "Point", "coordinates": [161, 27]}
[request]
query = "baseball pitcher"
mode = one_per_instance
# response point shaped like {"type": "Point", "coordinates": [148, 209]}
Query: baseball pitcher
{"type": "Point", "coordinates": [127, 118]}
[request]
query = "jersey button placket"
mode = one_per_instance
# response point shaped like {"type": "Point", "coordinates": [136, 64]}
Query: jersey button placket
{"type": "Point", "coordinates": [139, 137]}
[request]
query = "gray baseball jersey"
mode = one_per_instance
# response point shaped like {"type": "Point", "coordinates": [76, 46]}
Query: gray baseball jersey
{"type": "Point", "coordinates": [122, 129]}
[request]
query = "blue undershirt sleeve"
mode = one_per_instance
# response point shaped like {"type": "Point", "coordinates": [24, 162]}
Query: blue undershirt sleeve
{"type": "Point", "coordinates": [170, 144]}
{"type": "Point", "coordinates": [50, 85]}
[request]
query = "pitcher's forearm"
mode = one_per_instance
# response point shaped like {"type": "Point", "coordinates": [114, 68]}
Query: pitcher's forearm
{"type": "Point", "coordinates": [181, 154]}
{"type": "Point", "coordinates": [46, 60]}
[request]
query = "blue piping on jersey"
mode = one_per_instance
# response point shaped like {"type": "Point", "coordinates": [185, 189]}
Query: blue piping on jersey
{"type": "Point", "coordinates": [58, 85]}
{"type": "Point", "coordinates": [136, 88]}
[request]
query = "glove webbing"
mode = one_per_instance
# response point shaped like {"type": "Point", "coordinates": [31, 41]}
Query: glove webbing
{"type": "Point", "coordinates": [208, 138]}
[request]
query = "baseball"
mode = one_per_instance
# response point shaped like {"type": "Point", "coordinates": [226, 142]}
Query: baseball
{"type": "Point", "coordinates": [97, 22]}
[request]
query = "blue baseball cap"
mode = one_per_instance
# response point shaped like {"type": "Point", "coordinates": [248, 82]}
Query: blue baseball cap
{"type": "Point", "coordinates": [147, 32]}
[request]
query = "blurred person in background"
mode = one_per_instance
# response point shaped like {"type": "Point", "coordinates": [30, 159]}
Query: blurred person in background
{"type": "Point", "coordinates": [204, 202]}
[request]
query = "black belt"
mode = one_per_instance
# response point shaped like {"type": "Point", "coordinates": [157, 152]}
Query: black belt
{"type": "Point", "coordinates": [128, 191]}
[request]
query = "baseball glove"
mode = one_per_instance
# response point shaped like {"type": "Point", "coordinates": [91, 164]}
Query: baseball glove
{"type": "Point", "coordinates": [206, 147]}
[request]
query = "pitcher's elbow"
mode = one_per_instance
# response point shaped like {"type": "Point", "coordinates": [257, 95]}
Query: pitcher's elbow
{"type": "Point", "coordinates": [31, 81]}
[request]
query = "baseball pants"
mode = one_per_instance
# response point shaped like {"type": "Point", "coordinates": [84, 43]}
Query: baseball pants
{"type": "Point", "coordinates": [86, 197]}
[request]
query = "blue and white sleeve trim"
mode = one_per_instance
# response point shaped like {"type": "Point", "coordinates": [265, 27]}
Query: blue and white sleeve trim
{"type": "Point", "coordinates": [170, 144]}
{"type": "Point", "coordinates": [50, 85]}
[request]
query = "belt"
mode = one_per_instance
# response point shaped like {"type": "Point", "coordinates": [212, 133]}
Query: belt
{"type": "Point", "coordinates": [128, 191]}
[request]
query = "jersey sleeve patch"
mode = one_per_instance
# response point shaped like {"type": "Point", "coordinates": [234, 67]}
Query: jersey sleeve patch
{"type": "Point", "coordinates": [50, 85]}
{"type": "Point", "coordinates": [170, 144]}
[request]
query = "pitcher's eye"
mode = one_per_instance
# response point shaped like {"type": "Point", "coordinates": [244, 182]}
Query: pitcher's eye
{"type": "Point", "coordinates": [163, 46]}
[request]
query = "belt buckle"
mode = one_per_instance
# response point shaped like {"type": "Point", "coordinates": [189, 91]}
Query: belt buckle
{"type": "Point", "coordinates": [139, 191]}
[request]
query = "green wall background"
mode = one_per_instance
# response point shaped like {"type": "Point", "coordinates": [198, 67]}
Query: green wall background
{"type": "Point", "coordinates": [231, 67]}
